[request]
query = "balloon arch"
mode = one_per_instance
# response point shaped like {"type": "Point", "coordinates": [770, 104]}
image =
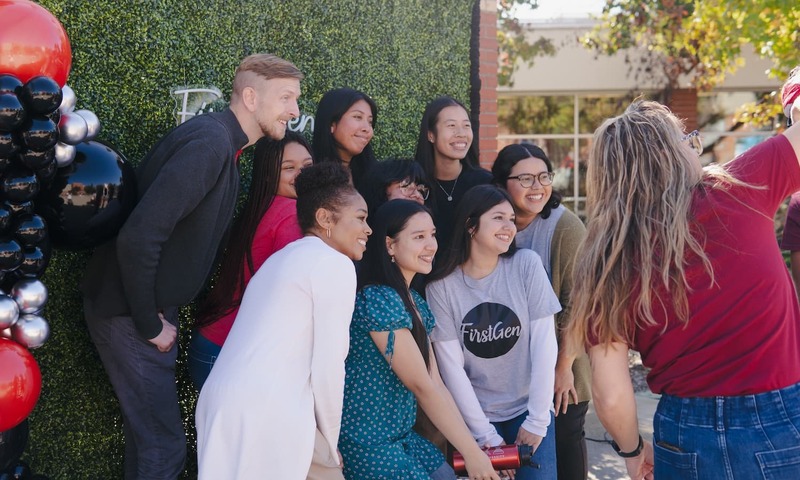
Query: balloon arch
{"type": "Point", "coordinates": [59, 188]}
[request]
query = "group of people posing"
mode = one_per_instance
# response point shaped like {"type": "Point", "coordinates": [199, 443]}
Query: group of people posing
{"type": "Point", "coordinates": [326, 274]}
{"type": "Point", "coordinates": [368, 313]}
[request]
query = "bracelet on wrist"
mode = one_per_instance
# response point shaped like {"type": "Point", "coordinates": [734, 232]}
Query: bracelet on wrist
{"type": "Point", "coordinates": [632, 454]}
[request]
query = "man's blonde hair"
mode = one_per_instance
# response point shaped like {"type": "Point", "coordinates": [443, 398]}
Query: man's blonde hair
{"type": "Point", "coordinates": [266, 66]}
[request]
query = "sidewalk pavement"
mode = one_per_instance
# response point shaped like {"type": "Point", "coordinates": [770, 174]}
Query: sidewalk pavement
{"type": "Point", "coordinates": [604, 463]}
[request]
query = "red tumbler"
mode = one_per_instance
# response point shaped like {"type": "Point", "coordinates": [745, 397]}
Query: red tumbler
{"type": "Point", "coordinates": [503, 457]}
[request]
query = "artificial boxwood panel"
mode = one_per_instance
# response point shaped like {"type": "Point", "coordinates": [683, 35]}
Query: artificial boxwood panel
{"type": "Point", "coordinates": [127, 55]}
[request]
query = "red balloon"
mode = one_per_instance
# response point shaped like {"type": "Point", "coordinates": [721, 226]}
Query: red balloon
{"type": "Point", "coordinates": [20, 383]}
{"type": "Point", "coordinates": [32, 42]}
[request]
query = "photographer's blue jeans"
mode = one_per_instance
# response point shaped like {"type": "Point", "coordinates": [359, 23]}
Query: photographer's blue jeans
{"type": "Point", "coordinates": [202, 353]}
{"type": "Point", "coordinates": [545, 455]}
{"type": "Point", "coordinates": [742, 437]}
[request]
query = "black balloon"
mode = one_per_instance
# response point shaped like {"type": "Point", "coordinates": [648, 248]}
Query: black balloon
{"type": "Point", "coordinates": [39, 133]}
{"type": "Point", "coordinates": [12, 444]}
{"type": "Point", "coordinates": [54, 116]}
{"type": "Point", "coordinates": [47, 173]}
{"type": "Point", "coordinates": [12, 113]}
{"type": "Point", "coordinates": [8, 144]}
{"type": "Point", "coordinates": [35, 160]}
{"type": "Point", "coordinates": [5, 219]}
{"type": "Point", "coordinates": [19, 208]}
{"type": "Point", "coordinates": [20, 185]}
{"type": "Point", "coordinates": [10, 84]}
{"type": "Point", "coordinates": [90, 198]}
{"type": "Point", "coordinates": [10, 254]}
{"type": "Point", "coordinates": [34, 262]}
{"type": "Point", "coordinates": [4, 164]}
{"type": "Point", "coordinates": [41, 95]}
{"type": "Point", "coordinates": [30, 230]}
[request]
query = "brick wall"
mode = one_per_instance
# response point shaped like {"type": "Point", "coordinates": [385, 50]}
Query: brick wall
{"type": "Point", "coordinates": [488, 52]}
{"type": "Point", "coordinates": [683, 103]}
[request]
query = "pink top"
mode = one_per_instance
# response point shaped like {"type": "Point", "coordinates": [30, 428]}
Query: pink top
{"type": "Point", "coordinates": [277, 228]}
{"type": "Point", "coordinates": [743, 335]}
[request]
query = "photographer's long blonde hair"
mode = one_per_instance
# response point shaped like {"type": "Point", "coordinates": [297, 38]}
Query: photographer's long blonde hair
{"type": "Point", "coordinates": [640, 181]}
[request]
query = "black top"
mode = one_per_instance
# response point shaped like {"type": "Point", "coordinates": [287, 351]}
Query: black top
{"type": "Point", "coordinates": [187, 190]}
{"type": "Point", "coordinates": [444, 210]}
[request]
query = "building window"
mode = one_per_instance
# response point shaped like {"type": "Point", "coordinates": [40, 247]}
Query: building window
{"type": "Point", "coordinates": [563, 127]}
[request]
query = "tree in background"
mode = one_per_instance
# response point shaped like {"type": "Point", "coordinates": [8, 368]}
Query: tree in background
{"type": "Point", "coordinates": [512, 38]}
{"type": "Point", "coordinates": [701, 40]}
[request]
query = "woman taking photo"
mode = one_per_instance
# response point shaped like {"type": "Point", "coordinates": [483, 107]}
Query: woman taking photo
{"type": "Point", "coordinates": [267, 223]}
{"type": "Point", "coordinates": [391, 367]}
{"type": "Point", "coordinates": [450, 159]}
{"type": "Point", "coordinates": [549, 229]}
{"type": "Point", "coordinates": [343, 129]}
{"type": "Point", "coordinates": [394, 178]}
{"type": "Point", "coordinates": [494, 337]}
{"type": "Point", "coordinates": [272, 405]}
{"type": "Point", "coordinates": [681, 264]}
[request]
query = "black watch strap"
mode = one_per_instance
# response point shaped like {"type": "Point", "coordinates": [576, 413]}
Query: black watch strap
{"type": "Point", "coordinates": [632, 454]}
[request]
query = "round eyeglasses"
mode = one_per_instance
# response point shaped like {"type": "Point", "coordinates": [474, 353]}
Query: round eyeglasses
{"type": "Point", "coordinates": [694, 140]}
{"type": "Point", "coordinates": [526, 180]}
{"type": "Point", "coordinates": [408, 189]}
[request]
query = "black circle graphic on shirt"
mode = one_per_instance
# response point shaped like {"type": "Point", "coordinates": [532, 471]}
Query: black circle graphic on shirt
{"type": "Point", "coordinates": [490, 330]}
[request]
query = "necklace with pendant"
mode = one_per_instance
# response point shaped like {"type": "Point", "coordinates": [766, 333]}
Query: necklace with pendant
{"type": "Point", "coordinates": [450, 194]}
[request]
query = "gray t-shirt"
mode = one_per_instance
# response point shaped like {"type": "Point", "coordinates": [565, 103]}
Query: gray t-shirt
{"type": "Point", "coordinates": [491, 318]}
{"type": "Point", "coordinates": [538, 236]}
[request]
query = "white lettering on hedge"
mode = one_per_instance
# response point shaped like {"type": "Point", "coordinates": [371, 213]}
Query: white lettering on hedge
{"type": "Point", "coordinates": [191, 102]}
{"type": "Point", "coordinates": [299, 124]}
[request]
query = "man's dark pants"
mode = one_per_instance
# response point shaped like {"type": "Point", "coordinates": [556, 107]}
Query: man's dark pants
{"type": "Point", "coordinates": [144, 381]}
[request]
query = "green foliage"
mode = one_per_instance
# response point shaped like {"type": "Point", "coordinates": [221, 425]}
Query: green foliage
{"type": "Point", "coordinates": [126, 58]}
{"type": "Point", "coordinates": [699, 38]}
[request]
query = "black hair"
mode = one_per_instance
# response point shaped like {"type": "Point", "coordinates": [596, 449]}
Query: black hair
{"type": "Point", "coordinates": [509, 156]}
{"type": "Point", "coordinates": [475, 202]}
{"type": "Point", "coordinates": [377, 268]}
{"type": "Point", "coordinates": [226, 296]}
{"type": "Point", "coordinates": [386, 172]}
{"type": "Point", "coordinates": [424, 153]}
{"type": "Point", "coordinates": [332, 106]}
{"type": "Point", "coordinates": [323, 185]}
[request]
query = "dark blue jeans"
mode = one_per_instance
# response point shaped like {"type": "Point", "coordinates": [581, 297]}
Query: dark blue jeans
{"type": "Point", "coordinates": [144, 381]}
{"type": "Point", "coordinates": [202, 354]}
{"type": "Point", "coordinates": [545, 455]}
{"type": "Point", "coordinates": [743, 437]}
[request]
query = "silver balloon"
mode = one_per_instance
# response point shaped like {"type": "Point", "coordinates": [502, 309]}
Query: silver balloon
{"type": "Point", "coordinates": [30, 294]}
{"type": "Point", "coordinates": [30, 331]}
{"type": "Point", "coordinates": [68, 100]}
{"type": "Point", "coordinates": [92, 123]}
{"type": "Point", "coordinates": [72, 128]}
{"type": "Point", "coordinates": [65, 154]}
{"type": "Point", "coordinates": [9, 312]}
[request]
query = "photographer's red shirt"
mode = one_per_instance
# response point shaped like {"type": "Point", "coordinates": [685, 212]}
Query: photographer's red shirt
{"type": "Point", "coordinates": [743, 335]}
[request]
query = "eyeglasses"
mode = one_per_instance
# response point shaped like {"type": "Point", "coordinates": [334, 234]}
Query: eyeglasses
{"type": "Point", "coordinates": [408, 189]}
{"type": "Point", "coordinates": [526, 180]}
{"type": "Point", "coordinates": [694, 140]}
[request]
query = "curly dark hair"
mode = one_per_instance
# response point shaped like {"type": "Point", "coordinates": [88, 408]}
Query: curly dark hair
{"type": "Point", "coordinates": [322, 185]}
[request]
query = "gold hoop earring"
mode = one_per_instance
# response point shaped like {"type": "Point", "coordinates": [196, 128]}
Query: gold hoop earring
{"type": "Point", "coordinates": [328, 232]}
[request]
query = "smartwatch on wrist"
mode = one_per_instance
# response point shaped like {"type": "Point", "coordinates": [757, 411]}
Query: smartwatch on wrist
{"type": "Point", "coordinates": [632, 454]}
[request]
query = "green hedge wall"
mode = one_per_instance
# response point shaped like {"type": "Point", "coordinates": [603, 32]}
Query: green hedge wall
{"type": "Point", "coordinates": [127, 56]}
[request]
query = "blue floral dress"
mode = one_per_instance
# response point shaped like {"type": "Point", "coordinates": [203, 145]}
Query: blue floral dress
{"type": "Point", "coordinates": [377, 440]}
